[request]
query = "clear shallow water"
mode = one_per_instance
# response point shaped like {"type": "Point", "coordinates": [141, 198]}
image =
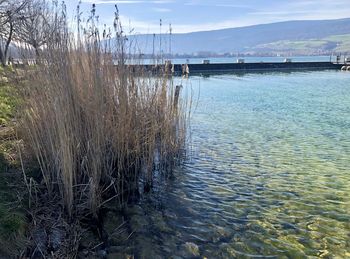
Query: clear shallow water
{"type": "Point", "coordinates": [268, 176]}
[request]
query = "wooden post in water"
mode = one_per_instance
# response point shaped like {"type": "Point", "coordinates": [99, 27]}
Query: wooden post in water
{"type": "Point", "coordinates": [176, 96]}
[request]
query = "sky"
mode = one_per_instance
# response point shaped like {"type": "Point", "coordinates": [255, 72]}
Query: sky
{"type": "Point", "coordinates": [142, 16]}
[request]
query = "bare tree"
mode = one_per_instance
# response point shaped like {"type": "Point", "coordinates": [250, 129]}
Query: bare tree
{"type": "Point", "coordinates": [33, 27]}
{"type": "Point", "coordinates": [10, 15]}
{"type": "Point", "coordinates": [3, 22]}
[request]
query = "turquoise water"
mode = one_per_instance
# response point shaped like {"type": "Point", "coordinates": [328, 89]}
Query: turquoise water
{"type": "Point", "coordinates": [268, 174]}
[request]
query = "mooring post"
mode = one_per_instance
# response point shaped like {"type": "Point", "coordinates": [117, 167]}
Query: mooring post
{"type": "Point", "coordinates": [176, 95]}
{"type": "Point", "coordinates": [187, 69]}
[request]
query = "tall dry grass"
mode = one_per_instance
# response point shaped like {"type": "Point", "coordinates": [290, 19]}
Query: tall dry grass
{"type": "Point", "coordinates": [99, 130]}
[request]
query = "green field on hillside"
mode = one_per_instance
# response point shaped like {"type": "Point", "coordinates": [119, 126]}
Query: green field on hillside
{"type": "Point", "coordinates": [336, 43]}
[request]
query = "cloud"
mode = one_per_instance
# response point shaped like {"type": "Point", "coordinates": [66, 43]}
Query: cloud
{"type": "Point", "coordinates": [161, 2]}
{"type": "Point", "coordinates": [112, 2]}
{"type": "Point", "coordinates": [161, 10]}
{"type": "Point", "coordinates": [304, 10]}
{"type": "Point", "coordinates": [140, 26]}
{"type": "Point", "coordinates": [149, 27]}
{"type": "Point", "coordinates": [199, 3]}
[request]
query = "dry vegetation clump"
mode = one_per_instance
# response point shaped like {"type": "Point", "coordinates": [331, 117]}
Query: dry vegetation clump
{"type": "Point", "coordinates": [98, 130]}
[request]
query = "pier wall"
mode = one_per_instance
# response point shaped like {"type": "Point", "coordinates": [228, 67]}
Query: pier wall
{"type": "Point", "coordinates": [246, 67]}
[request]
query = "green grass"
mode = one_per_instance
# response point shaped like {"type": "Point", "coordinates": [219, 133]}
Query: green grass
{"type": "Point", "coordinates": [336, 43]}
{"type": "Point", "coordinates": [339, 38]}
{"type": "Point", "coordinates": [12, 222]}
{"type": "Point", "coordinates": [306, 45]}
{"type": "Point", "coordinates": [343, 42]}
{"type": "Point", "coordinates": [12, 216]}
{"type": "Point", "coordinates": [8, 103]}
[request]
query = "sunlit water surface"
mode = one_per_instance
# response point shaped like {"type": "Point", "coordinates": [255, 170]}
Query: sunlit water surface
{"type": "Point", "coordinates": [268, 174]}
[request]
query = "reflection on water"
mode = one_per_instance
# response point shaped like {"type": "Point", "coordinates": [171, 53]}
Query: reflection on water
{"type": "Point", "coordinates": [268, 176]}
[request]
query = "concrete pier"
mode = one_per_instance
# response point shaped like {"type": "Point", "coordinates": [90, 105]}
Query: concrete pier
{"type": "Point", "coordinates": [241, 67]}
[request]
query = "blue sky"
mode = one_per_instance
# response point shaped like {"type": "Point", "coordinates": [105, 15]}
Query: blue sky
{"type": "Point", "coordinates": [199, 15]}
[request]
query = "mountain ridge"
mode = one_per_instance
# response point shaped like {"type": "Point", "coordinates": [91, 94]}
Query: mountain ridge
{"type": "Point", "coordinates": [254, 38]}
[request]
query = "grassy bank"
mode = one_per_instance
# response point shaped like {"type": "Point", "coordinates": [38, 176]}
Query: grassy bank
{"type": "Point", "coordinates": [8, 98]}
{"type": "Point", "coordinates": [12, 189]}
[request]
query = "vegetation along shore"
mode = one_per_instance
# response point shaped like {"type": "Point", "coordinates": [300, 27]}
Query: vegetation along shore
{"type": "Point", "coordinates": [220, 130]}
{"type": "Point", "coordinates": [80, 136]}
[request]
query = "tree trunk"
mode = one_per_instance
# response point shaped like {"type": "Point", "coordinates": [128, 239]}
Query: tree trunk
{"type": "Point", "coordinates": [37, 55]}
{"type": "Point", "coordinates": [7, 44]}
{"type": "Point", "coordinates": [1, 54]}
{"type": "Point", "coordinates": [2, 58]}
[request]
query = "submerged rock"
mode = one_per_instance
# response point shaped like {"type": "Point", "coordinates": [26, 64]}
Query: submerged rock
{"type": "Point", "coordinates": [191, 250]}
{"type": "Point", "coordinates": [40, 239]}
{"type": "Point", "coordinates": [159, 222]}
{"type": "Point", "coordinates": [146, 248]}
{"type": "Point", "coordinates": [56, 239]}
{"type": "Point", "coordinates": [220, 235]}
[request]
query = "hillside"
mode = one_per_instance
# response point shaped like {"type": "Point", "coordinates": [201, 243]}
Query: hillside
{"type": "Point", "coordinates": [293, 37]}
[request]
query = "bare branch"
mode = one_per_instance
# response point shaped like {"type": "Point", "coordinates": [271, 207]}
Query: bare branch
{"type": "Point", "coordinates": [10, 13]}
{"type": "Point", "coordinates": [33, 26]}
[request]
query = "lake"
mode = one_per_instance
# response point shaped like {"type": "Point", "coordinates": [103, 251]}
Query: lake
{"type": "Point", "coordinates": [268, 173]}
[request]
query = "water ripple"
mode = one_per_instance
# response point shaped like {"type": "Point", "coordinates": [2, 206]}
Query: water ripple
{"type": "Point", "coordinates": [269, 172]}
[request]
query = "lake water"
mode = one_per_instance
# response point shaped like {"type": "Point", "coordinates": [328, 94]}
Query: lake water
{"type": "Point", "coordinates": [268, 174]}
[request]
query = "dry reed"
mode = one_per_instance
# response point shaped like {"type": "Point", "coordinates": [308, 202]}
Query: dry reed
{"type": "Point", "coordinates": [98, 129]}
